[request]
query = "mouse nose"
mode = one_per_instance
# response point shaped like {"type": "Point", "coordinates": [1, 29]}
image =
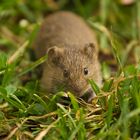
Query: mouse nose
{"type": "Point", "coordinates": [76, 89]}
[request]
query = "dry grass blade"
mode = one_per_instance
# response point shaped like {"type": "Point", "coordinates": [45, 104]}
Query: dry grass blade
{"type": "Point", "coordinates": [6, 33]}
{"type": "Point", "coordinates": [18, 53]}
{"type": "Point", "coordinates": [45, 131]}
{"type": "Point", "coordinates": [42, 117]}
{"type": "Point", "coordinates": [15, 130]}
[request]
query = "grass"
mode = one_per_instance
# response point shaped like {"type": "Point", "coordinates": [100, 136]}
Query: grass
{"type": "Point", "coordinates": [114, 114]}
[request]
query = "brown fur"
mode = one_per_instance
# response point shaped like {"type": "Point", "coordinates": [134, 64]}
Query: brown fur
{"type": "Point", "coordinates": [71, 48]}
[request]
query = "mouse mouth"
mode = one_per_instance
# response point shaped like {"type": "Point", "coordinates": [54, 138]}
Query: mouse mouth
{"type": "Point", "coordinates": [89, 95]}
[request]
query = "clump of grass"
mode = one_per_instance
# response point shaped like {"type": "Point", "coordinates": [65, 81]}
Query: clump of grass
{"type": "Point", "coordinates": [27, 113]}
{"type": "Point", "coordinates": [24, 114]}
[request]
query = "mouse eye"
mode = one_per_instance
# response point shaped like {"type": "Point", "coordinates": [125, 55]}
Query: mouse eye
{"type": "Point", "coordinates": [66, 73]}
{"type": "Point", "coordinates": [85, 71]}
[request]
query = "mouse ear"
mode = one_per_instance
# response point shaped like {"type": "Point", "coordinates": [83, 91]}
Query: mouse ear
{"type": "Point", "coordinates": [90, 50]}
{"type": "Point", "coordinates": [55, 54]}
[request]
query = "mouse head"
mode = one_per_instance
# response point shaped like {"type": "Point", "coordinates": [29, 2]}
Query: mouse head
{"type": "Point", "coordinates": [73, 66]}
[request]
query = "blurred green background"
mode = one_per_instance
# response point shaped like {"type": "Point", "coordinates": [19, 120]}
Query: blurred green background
{"type": "Point", "coordinates": [120, 18]}
{"type": "Point", "coordinates": [123, 19]}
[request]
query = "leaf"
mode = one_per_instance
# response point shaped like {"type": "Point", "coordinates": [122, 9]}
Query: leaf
{"type": "Point", "coordinates": [107, 85]}
{"type": "Point", "coordinates": [94, 86]}
{"type": "Point", "coordinates": [3, 60]}
{"type": "Point", "coordinates": [109, 111]}
{"type": "Point", "coordinates": [73, 101]}
{"type": "Point", "coordinates": [33, 65]}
